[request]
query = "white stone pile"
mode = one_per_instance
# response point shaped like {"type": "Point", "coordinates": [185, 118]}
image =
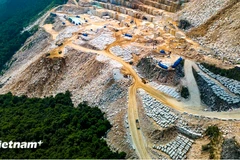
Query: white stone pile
{"type": "Point", "coordinates": [102, 40]}
{"type": "Point", "coordinates": [171, 91]}
{"type": "Point", "coordinates": [121, 52]}
{"type": "Point", "coordinates": [128, 135]}
{"type": "Point", "coordinates": [220, 92]}
{"type": "Point", "coordinates": [232, 85]}
{"type": "Point", "coordinates": [133, 49]}
{"type": "Point", "coordinates": [184, 128]}
{"type": "Point", "coordinates": [67, 32]}
{"type": "Point", "coordinates": [176, 149]}
{"type": "Point", "coordinates": [158, 111]}
{"type": "Point", "coordinates": [199, 12]}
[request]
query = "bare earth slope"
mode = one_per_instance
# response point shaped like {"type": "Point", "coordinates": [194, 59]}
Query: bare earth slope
{"type": "Point", "coordinates": [216, 26]}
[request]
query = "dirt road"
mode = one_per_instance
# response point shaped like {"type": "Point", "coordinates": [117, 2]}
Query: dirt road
{"type": "Point", "coordinates": [137, 135]}
{"type": "Point", "coordinates": [195, 99]}
{"type": "Point", "coordinates": [48, 28]}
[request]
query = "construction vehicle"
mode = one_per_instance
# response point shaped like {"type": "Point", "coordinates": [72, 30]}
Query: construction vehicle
{"type": "Point", "coordinates": [137, 124]}
{"type": "Point", "coordinates": [128, 35]}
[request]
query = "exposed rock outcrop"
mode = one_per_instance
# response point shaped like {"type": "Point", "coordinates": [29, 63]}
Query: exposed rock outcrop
{"type": "Point", "coordinates": [209, 98]}
{"type": "Point", "coordinates": [230, 149]}
{"type": "Point", "coordinates": [148, 69]}
{"type": "Point", "coordinates": [216, 27]}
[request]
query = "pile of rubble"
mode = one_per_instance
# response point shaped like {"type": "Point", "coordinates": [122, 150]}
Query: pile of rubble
{"type": "Point", "coordinates": [128, 135]}
{"type": "Point", "coordinates": [171, 91]}
{"type": "Point", "coordinates": [67, 32]}
{"type": "Point", "coordinates": [232, 85]}
{"type": "Point", "coordinates": [157, 111]}
{"type": "Point", "coordinates": [185, 129]}
{"type": "Point", "coordinates": [133, 49]}
{"type": "Point", "coordinates": [199, 12]}
{"type": "Point", "coordinates": [178, 148]}
{"type": "Point", "coordinates": [121, 52]}
{"type": "Point", "coordinates": [102, 40]}
{"type": "Point", "coordinates": [220, 92]}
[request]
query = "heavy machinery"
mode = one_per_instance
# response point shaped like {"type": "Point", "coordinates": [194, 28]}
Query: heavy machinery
{"type": "Point", "coordinates": [137, 124]}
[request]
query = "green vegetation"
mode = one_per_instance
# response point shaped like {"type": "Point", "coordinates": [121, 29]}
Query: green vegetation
{"type": "Point", "coordinates": [233, 73]}
{"type": "Point", "coordinates": [215, 142]}
{"type": "Point", "coordinates": [15, 15]}
{"type": "Point", "coordinates": [184, 92]}
{"type": "Point", "coordinates": [66, 132]}
{"type": "Point", "coordinates": [51, 19]}
{"type": "Point", "coordinates": [184, 24]}
{"type": "Point", "coordinates": [213, 132]}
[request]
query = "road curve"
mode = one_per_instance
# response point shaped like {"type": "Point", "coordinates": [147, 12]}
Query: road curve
{"type": "Point", "coordinates": [137, 135]}
{"type": "Point", "coordinates": [195, 99]}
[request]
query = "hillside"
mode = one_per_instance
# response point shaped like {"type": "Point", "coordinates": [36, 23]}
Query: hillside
{"type": "Point", "coordinates": [215, 25]}
{"type": "Point", "coordinates": [15, 15]}
{"type": "Point", "coordinates": [132, 60]}
{"type": "Point", "coordinates": [66, 132]}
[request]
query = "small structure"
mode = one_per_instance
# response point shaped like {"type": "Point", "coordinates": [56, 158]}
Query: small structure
{"type": "Point", "coordinates": [162, 65]}
{"type": "Point", "coordinates": [137, 124]}
{"type": "Point", "coordinates": [128, 35]}
{"type": "Point", "coordinates": [85, 34]}
{"type": "Point", "coordinates": [75, 20]}
{"type": "Point", "coordinates": [177, 62]}
{"type": "Point", "coordinates": [162, 52]}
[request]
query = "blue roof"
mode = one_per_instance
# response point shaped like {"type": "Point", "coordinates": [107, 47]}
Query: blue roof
{"type": "Point", "coordinates": [162, 51]}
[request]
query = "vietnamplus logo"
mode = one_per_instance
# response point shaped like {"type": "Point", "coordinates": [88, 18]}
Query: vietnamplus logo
{"type": "Point", "coordinates": [20, 145]}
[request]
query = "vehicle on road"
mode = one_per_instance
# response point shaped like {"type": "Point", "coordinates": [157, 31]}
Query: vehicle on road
{"type": "Point", "coordinates": [137, 124]}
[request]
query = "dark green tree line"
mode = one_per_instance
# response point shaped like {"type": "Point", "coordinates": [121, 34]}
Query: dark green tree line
{"type": "Point", "coordinates": [15, 15]}
{"type": "Point", "coordinates": [66, 132]}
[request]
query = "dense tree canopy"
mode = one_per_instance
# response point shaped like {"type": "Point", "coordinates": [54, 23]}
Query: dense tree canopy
{"type": "Point", "coordinates": [66, 132]}
{"type": "Point", "coordinates": [15, 15]}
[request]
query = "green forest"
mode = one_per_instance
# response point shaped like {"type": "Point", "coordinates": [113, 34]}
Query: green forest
{"type": "Point", "coordinates": [15, 15]}
{"type": "Point", "coordinates": [67, 132]}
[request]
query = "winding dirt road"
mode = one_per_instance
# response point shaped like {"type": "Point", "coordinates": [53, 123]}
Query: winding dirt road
{"type": "Point", "coordinates": [195, 99]}
{"type": "Point", "coordinates": [137, 135]}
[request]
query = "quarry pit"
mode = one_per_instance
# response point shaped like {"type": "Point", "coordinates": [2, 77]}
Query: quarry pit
{"type": "Point", "coordinates": [131, 59]}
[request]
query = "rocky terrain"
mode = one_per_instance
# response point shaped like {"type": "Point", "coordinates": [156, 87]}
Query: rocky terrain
{"type": "Point", "coordinates": [79, 72]}
{"type": "Point", "coordinates": [149, 70]}
{"type": "Point", "coordinates": [105, 62]}
{"type": "Point", "coordinates": [231, 149]}
{"type": "Point", "coordinates": [215, 25]}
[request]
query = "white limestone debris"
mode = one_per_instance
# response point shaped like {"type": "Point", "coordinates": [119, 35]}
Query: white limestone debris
{"type": "Point", "coordinates": [178, 148]}
{"type": "Point", "coordinates": [101, 41]}
{"type": "Point", "coordinates": [121, 52]}
{"type": "Point", "coordinates": [219, 91]}
{"type": "Point", "coordinates": [160, 113]}
{"type": "Point", "coordinates": [232, 85]}
{"type": "Point", "coordinates": [171, 91]}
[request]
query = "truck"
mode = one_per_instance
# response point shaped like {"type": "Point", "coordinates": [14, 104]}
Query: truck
{"type": "Point", "coordinates": [128, 35]}
{"type": "Point", "coordinates": [137, 124]}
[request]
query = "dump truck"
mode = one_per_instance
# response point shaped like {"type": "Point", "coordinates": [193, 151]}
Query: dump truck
{"type": "Point", "coordinates": [177, 62]}
{"type": "Point", "coordinates": [128, 35]}
{"type": "Point", "coordinates": [85, 34]}
{"type": "Point", "coordinates": [162, 65]}
{"type": "Point", "coordinates": [137, 124]}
